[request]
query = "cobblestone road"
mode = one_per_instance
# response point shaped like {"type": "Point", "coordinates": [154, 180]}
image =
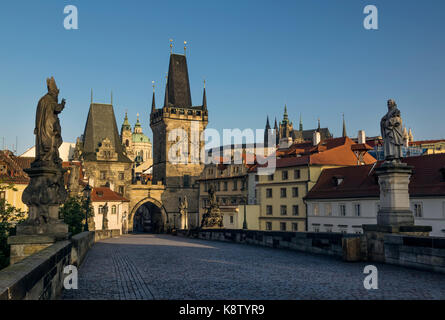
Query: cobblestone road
{"type": "Point", "coordinates": [146, 266]}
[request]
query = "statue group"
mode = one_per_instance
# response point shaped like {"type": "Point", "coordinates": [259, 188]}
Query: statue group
{"type": "Point", "coordinates": [46, 190]}
{"type": "Point", "coordinates": [213, 217]}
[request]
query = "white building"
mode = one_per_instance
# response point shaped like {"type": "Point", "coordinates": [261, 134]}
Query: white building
{"type": "Point", "coordinates": [118, 209]}
{"type": "Point", "coordinates": [346, 198]}
{"type": "Point", "coordinates": [66, 151]}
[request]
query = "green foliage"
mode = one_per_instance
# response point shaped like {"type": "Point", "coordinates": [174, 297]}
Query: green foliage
{"type": "Point", "coordinates": [9, 218]}
{"type": "Point", "coordinates": [73, 213]}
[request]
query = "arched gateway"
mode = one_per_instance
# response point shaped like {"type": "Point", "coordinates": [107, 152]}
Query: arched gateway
{"type": "Point", "coordinates": [148, 215]}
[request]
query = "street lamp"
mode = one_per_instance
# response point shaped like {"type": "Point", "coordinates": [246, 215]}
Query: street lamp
{"type": "Point", "coordinates": [87, 195]}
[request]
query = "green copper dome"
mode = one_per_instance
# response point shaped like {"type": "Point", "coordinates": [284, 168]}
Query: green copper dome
{"type": "Point", "coordinates": [140, 137]}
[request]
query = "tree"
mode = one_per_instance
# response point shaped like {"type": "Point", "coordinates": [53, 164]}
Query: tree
{"type": "Point", "coordinates": [9, 218]}
{"type": "Point", "coordinates": [73, 213]}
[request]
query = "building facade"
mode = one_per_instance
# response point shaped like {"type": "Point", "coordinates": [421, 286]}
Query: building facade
{"type": "Point", "coordinates": [281, 194]}
{"type": "Point", "coordinates": [346, 198]}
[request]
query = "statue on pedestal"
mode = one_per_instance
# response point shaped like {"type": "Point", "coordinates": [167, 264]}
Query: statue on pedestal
{"type": "Point", "coordinates": [392, 133]}
{"type": "Point", "coordinates": [105, 217]}
{"type": "Point", "coordinates": [213, 217]}
{"type": "Point", "coordinates": [46, 190]}
{"type": "Point", "coordinates": [183, 211]}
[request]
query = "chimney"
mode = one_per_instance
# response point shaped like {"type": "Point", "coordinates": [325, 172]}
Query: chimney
{"type": "Point", "coordinates": [361, 137]}
{"type": "Point", "coordinates": [316, 138]}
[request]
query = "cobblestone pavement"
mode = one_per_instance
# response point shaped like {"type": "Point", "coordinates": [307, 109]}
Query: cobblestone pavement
{"type": "Point", "coordinates": [146, 266]}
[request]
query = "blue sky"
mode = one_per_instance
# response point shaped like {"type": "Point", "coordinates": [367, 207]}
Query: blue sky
{"type": "Point", "coordinates": [315, 56]}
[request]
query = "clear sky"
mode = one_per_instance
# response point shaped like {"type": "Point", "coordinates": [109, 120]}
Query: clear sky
{"type": "Point", "coordinates": [313, 55]}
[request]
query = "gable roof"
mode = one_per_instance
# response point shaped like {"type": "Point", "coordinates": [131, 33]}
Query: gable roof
{"type": "Point", "coordinates": [104, 194]}
{"type": "Point", "coordinates": [101, 124]}
{"type": "Point", "coordinates": [361, 181]}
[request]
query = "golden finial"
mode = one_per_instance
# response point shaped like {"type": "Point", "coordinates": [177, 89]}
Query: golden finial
{"type": "Point", "coordinates": [185, 47]}
{"type": "Point", "coordinates": [153, 84]}
{"type": "Point", "coordinates": [171, 46]}
{"type": "Point", "coordinates": [137, 115]}
{"type": "Point", "coordinates": [204, 83]}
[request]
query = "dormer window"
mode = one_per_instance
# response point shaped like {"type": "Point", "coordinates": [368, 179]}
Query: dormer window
{"type": "Point", "coordinates": [337, 181]}
{"type": "Point", "coordinates": [442, 171]}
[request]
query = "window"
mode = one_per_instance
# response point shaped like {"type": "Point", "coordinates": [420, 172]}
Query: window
{"type": "Point", "coordinates": [418, 210]}
{"type": "Point", "coordinates": [283, 210]}
{"type": "Point", "coordinates": [103, 175]}
{"type": "Point", "coordinates": [357, 209]}
{"type": "Point", "coordinates": [268, 226]}
{"type": "Point", "coordinates": [225, 185]}
{"type": "Point", "coordinates": [121, 190]}
{"type": "Point", "coordinates": [328, 229]}
{"type": "Point", "coordinates": [269, 210]}
{"type": "Point", "coordinates": [297, 174]}
{"type": "Point", "coordinates": [100, 210]}
{"type": "Point", "coordinates": [283, 193]}
{"type": "Point", "coordinates": [121, 176]}
{"type": "Point", "coordinates": [295, 211]}
{"type": "Point", "coordinates": [235, 184]}
{"type": "Point", "coordinates": [328, 209]}
{"type": "Point", "coordinates": [283, 226]}
{"type": "Point", "coordinates": [295, 226]}
{"type": "Point", "coordinates": [284, 175]}
{"type": "Point", "coordinates": [231, 219]}
{"type": "Point", "coordinates": [270, 177]}
{"type": "Point", "coordinates": [257, 177]}
{"type": "Point", "coordinates": [113, 209]}
{"type": "Point", "coordinates": [316, 209]}
{"type": "Point", "coordinates": [233, 200]}
{"type": "Point", "coordinates": [295, 192]}
{"type": "Point", "coordinates": [268, 193]}
{"type": "Point", "coordinates": [218, 186]}
{"type": "Point", "coordinates": [316, 229]}
{"type": "Point", "coordinates": [2, 195]}
{"type": "Point", "coordinates": [342, 208]}
{"type": "Point", "coordinates": [186, 180]}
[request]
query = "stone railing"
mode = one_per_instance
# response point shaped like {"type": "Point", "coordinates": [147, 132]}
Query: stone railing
{"type": "Point", "coordinates": [333, 244]}
{"type": "Point", "coordinates": [40, 276]}
{"type": "Point", "coordinates": [424, 253]}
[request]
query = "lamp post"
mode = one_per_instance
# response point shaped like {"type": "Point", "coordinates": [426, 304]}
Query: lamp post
{"type": "Point", "coordinates": [87, 195]}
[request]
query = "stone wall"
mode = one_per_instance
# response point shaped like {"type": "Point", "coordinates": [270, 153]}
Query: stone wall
{"type": "Point", "coordinates": [424, 253]}
{"type": "Point", "coordinates": [312, 242]}
{"type": "Point", "coordinates": [40, 276]}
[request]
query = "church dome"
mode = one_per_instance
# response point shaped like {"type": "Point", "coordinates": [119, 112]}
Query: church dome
{"type": "Point", "coordinates": [140, 137]}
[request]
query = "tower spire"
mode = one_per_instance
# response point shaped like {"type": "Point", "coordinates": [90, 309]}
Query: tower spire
{"type": "Point", "coordinates": [319, 128]}
{"type": "Point", "coordinates": [171, 46]}
{"type": "Point", "coordinates": [344, 127]}
{"type": "Point", "coordinates": [153, 104]}
{"type": "Point", "coordinates": [301, 123]}
{"type": "Point", "coordinates": [204, 97]}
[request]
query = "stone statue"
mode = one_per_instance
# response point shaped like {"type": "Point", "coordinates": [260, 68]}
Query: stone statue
{"type": "Point", "coordinates": [213, 217]}
{"type": "Point", "coordinates": [46, 190]}
{"type": "Point", "coordinates": [392, 133]}
{"type": "Point", "coordinates": [183, 210]}
{"type": "Point", "coordinates": [105, 217]}
{"type": "Point", "coordinates": [47, 130]}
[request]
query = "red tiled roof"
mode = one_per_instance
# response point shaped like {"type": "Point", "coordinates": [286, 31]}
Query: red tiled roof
{"type": "Point", "coordinates": [15, 167]}
{"type": "Point", "coordinates": [361, 181]}
{"type": "Point", "coordinates": [103, 194]}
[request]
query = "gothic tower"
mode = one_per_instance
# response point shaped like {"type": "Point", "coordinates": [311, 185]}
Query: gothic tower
{"type": "Point", "coordinates": [126, 137]}
{"type": "Point", "coordinates": [177, 128]}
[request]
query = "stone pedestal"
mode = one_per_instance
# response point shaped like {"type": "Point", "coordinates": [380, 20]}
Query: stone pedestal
{"type": "Point", "coordinates": [394, 195]}
{"type": "Point", "coordinates": [395, 215]}
{"type": "Point", "coordinates": [44, 195]}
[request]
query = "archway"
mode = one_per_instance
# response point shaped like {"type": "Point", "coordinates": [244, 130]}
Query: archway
{"type": "Point", "coordinates": [148, 217]}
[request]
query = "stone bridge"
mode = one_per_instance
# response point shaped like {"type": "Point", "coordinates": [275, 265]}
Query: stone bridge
{"type": "Point", "coordinates": [144, 266]}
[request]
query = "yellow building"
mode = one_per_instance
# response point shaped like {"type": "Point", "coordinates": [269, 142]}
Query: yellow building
{"type": "Point", "coordinates": [430, 146]}
{"type": "Point", "coordinates": [11, 172]}
{"type": "Point", "coordinates": [297, 170]}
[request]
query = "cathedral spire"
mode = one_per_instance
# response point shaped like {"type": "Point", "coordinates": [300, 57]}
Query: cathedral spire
{"type": "Point", "coordinates": [277, 134]}
{"type": "Point", "coordinates": [319, 128]}
{"type": "Point", "coordinates": [126, 125]}
{"type": "Point", "coordinates": [153, 104]}
{"type": "Point", "coordinates": [285, 116]}
{"type": "Point", "coordinates": [301, 123]}
{"type": "Point", "coordinates": [344, 127]}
